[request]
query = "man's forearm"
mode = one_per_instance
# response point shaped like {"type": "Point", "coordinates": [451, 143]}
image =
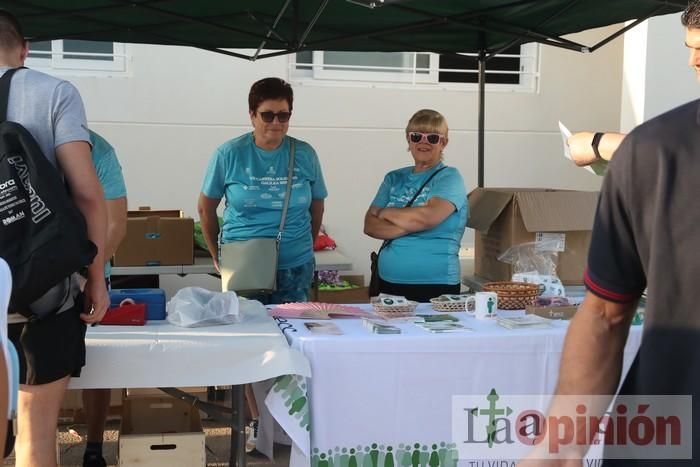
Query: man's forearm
{"type": "Point", "coordinates": [593, 350]}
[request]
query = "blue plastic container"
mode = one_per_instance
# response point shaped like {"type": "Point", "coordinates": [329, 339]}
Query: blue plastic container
{"type": "Point", "coordinates": [153, 298]}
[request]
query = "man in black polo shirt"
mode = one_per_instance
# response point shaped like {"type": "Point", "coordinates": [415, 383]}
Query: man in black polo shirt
{"type": "Point", "coordinates": [646, 234]}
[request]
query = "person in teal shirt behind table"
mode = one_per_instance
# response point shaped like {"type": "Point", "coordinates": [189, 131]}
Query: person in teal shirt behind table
{"type": "Point", "coordinates": [109, 172]}
{"type": "Point", "coordinates": [250, 172]}
{"type": "Point", "coordinates": [422, 260]}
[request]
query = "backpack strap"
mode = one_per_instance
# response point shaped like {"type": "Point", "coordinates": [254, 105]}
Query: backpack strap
{"type": "Point", "coordinates": [5, 91]}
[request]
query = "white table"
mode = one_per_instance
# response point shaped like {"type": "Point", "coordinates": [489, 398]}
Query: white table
{"type": "Point", "coordinates": [372, 391]}
{"type": "Point", "coordinates": [163, 355]}
{"type": "Point", "coordinates": [325, 260]}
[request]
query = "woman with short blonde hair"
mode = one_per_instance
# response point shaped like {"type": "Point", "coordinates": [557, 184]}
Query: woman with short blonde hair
{"type": "Point", "coordinates": [420, 212]}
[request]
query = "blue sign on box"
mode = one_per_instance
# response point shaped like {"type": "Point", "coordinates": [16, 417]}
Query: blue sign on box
{"type": "Point", "coordinates": [154, 299]}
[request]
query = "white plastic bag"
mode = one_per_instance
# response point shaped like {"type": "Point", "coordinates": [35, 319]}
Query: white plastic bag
{"type": "Point", "coordinates": [536, 263]}
{"type": "Point", "coordinates": [193, 307]}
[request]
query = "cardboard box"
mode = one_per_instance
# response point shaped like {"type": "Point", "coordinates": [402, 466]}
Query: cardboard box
{"type": "Point", "coordinates": [357, 295]}
{"type": "Point", "coordinates": [565, 312]}
{"type": "Point", "coordinates": [156, 238]}
{"type": "Point", "coordinates": [160, 432]}
{"type": "Point", "coordinates": [503, 217]}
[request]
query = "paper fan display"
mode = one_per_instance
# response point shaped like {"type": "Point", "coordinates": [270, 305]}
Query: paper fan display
{"type": "Point", "coordinates": [318, 310]}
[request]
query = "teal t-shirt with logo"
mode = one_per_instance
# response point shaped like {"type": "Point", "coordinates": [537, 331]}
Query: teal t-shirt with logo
{"type": "Point", "coordinates": [253, 182]}
{"type": "Point", "coordinates": [109, 173]}
{"type": "Point", "coordinates": [430, 256]}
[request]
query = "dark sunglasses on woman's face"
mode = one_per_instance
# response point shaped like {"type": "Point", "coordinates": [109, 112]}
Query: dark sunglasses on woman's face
{"type": "Point", "coordinates": [417, 137]}
{"type": "Point", "coordinates": [282, 117]}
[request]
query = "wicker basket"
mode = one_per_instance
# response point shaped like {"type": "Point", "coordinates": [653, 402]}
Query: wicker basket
{"type": "Point", "coordinates": [513, 295]}
{"type": "Point", "coordinates": [394, 311]}
{"type": "Point", "coordinates": [451, 306]}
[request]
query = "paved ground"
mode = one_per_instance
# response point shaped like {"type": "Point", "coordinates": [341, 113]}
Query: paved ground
{"type": "Point", "coordinates": [217, 445]}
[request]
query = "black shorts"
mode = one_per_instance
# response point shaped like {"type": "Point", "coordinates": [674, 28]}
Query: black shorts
{"type": "Point", "coordinates": [51, 348]}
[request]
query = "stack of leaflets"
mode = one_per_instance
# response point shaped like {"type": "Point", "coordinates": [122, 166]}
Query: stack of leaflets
{"type": "Point", "coordinates": [323, 328]}
{"type": "Point", "coordinates": [378, 327]}
{"type": "Point", "coordinates": [524, 322]}
{"type": "Point", "coordinates": [444, 326]}
{"type": "Point", "coordinates": [437, 318]}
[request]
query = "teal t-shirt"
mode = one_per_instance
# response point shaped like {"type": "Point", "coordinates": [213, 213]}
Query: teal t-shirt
{"type": "Point", "coordinates": [109, 172]}
{"type": "Point", "coordinates": [253, 182]}
{"type": "Point", "coordinates": [430, 256]}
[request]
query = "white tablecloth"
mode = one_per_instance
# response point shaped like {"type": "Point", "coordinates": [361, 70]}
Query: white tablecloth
{"type": "Point", "coordinates": [372, 391]}
{"type": "Point", "coordinates": [163, 355]}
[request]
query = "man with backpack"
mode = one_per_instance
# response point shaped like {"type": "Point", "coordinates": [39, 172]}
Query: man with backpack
{"type": "Point", "coordinates": [52, 349]}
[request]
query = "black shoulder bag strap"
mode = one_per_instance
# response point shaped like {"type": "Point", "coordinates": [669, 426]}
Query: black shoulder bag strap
{"type": "Point", "coordinates": [408, 205]}
{"type": "Point", "coordinates": [5, 91]}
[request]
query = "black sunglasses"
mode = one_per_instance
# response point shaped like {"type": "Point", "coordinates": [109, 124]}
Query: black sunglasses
{"type": "Point", "coordinates": [282, 117]}
{"type": "Point", "coordinates": [417, 137]}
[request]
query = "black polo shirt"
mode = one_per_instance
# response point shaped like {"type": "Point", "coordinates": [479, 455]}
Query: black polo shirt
{"type": "Point", "coordinates": [647, 234]}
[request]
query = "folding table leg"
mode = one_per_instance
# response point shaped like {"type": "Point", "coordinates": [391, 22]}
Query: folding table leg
{"type": "Point", "coordinates": [237, 455]}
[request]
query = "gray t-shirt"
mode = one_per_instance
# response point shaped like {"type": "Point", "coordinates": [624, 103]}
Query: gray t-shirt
{"type": "Point", "coordinates": [52, 111]}
{"type": "Point", "coordinates": [49, 108]}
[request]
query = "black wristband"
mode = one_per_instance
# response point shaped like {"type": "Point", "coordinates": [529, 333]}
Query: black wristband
{"type": "Point", "coordinates": [594, 144]}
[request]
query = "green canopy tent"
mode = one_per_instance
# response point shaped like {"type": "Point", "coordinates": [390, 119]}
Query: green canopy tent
{"type": "Point", "coordinates": [278, 27]}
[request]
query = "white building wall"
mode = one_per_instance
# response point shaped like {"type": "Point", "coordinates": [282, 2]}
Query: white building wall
{"type": "Point", "coordinates": [656, 75]}
{"type": "Point", "coordinates": [176, 105]}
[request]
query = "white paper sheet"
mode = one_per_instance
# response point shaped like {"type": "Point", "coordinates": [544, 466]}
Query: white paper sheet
{"type": "Point", "coordinates": [596, 168]}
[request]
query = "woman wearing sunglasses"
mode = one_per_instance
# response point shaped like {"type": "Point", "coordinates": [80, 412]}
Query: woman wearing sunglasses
{"type": "Point", "coordinates": [419, 259]}
{"type": "Point", "coordinates": [250, 171]}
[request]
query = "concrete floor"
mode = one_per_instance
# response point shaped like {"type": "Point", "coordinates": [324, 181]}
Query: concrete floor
{"type": "Point", "coordinates": [72, 446]}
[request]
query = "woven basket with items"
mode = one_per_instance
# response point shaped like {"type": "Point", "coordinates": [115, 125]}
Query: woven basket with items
{"type": "Point", "coordinates": [451, 303]}
{"type": "Point", "coordinates": [513, 295]}
{"type": "Point", "coordinates": [392, 310]}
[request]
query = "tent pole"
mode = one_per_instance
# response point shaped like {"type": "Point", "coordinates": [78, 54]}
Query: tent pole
{"type": "Point", "coordinates": [481, 128]}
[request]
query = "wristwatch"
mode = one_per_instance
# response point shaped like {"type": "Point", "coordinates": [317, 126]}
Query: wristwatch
{"type": "Point", "coordinates": [594, 144]}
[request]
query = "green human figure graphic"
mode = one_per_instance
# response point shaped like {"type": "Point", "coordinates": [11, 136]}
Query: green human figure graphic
{"type": "Point", "coordinates": [403, 455]}
{"type": "Point", "coordinates": [424, 456]}
{"type": "Point", "coordinates": [330, 458]}
{"type": "Point", "coordinates": [281, 383]}
{"type": "Point", "coordinates": [322, 462]}
{"type": "Point", "coordinates": [452, 456]}
{"type": "Point", "coordinates": [289, 390]}
{"type": "Point", "coordinates": [367, 458]}
{"type": "Point", "coordinates": [352, 461]}
{"type": "Point", "coordinates": [434, 457]}
{"type": "Point", "coordinates": [293, 395]}
{"type": "Point", "coordinates": [315, 458]}
{"type": "Point", "coordinates": [344, 457]}
{"type": "Point", "coordinates": [415, 457]}
{"type": "Point", "coordinates": [389, 457]}
{"type": "Point", "coordinates": [297, 405]}
{"type": "Point", "coordinates": [374, 454]}
{"type": "Point", "coordinates": [443, 453]}
{"type": "Point", "coordinates": [489, 304]}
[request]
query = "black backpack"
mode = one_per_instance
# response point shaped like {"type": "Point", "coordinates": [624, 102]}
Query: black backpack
{"type": "Point", "coordinates": [43, 235]}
